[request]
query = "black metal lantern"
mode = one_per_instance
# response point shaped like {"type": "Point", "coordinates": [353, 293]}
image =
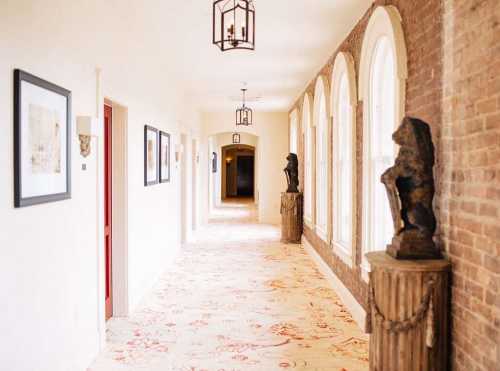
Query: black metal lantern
{"type": "Point", "coordinates": [236, 138]}
{"type": "Point", "coordinates": [244, 115]}
{"type": "Point", "coordinates": [234, 24]}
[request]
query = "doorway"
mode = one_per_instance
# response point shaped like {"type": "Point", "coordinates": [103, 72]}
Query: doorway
{"type": "Point", "coordinates": [238, 174]}
{"type": "Point", "coordinates": [115, 208]}
{"type": "Point", "coordinates": [108, 205]}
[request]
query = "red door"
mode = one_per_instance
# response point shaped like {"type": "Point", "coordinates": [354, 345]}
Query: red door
{"type": "Point", "coordinates": [108, 245]}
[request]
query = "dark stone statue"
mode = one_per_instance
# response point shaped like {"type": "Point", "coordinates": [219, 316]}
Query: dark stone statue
{"type": "Point", "coordinates": [410, 189]}
{"type": "Point", "coordinates": [292, 173]}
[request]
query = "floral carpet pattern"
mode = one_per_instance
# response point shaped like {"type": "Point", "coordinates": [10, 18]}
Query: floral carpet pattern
{"type": "Point", "coordinates": [237, 299]}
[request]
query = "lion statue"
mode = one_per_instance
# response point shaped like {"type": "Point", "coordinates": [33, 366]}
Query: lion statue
{"type": "Point", "coordinates": [292, 173]}
{"type": "Point", "coordinates": [410, 183]}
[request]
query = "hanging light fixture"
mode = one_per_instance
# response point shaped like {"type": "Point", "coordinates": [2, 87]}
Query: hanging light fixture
{"type": "Point", "coordinates": [233, 24]}
{"type": "Point", "coordinates": [244, 115]}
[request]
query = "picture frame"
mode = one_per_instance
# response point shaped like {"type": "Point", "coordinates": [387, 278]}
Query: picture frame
{"type": "Point", "coordinates": [236, 138]}
{"type": "Point", "coordinates": [151, 167]}
{"type": "Point", "coordinates": [42, 141]}
{"type": "Point", "coordinates": [214, 162]}
{"type": "Point", "coordinates": [164, 158]}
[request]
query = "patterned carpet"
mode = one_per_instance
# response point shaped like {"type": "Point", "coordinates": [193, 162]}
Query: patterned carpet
{"type": "Point", "coordinates": [237, 299]}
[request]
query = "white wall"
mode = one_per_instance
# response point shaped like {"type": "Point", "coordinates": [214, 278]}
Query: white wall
{"type": "Point", "coordinates": [271, 129]}
{"type": "Point", "coordinates": [51, 256]}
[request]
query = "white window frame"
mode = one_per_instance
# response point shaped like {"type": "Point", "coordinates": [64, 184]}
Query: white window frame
{"type": "Point", "coordinates": [293, 142]}
{"type": "Point", "coordinates": [384, 22]}
{"type": "Point", "coordinates": [308, 132]}
{"type": "Point", "coordinates": [321, 123]}
{"type": "Point", "coordinates": [343, 66]}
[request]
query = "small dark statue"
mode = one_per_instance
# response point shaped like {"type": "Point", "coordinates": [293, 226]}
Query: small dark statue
{"type": "Point", "coordinates": [410, 189]}
{"type": "Point", "coordinates": [292, 173]}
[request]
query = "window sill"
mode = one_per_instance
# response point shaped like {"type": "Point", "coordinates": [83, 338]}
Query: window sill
{"type": "Point", "coordinates": [323, 235]}
{"type": "Point", "coordinates": [308, 222]}
{"type": "Point", "coordinates": [365, 270]}
{"type": "Point", "coordinates": [343, 255]}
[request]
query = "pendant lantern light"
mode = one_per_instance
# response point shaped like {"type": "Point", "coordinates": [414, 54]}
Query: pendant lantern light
{"type": "Point", "coordinates": [233, 24]}
{"type": "Point", "coordinates": [244, 115]}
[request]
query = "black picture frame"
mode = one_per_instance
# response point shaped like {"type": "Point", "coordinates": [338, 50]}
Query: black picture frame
{"type": "Point", "coordinates": [20, 200]}
{"type": "Point", "coordinates": [236, 138]}
{"type": "Point", "coordinates": [153, 156]}
{"type": "Point", "coordinates": [164, 138]}
{"type": "Point", "coordinates": [214, 162]}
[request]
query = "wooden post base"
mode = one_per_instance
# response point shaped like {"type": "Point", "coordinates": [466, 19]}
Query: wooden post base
{"type": "Point", "coordinates": [291, 217]}
{"type": "Point", "coordinates": [408, 314]}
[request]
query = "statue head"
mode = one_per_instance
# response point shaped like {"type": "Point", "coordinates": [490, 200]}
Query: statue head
{"type": "Point", "coordinates": [292, 159]}
{"type": "Point", "coordinates": [416, 134]}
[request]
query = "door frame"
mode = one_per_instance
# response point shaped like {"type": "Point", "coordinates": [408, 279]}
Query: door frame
{"type": "Point", "coordinates": [120, 290]}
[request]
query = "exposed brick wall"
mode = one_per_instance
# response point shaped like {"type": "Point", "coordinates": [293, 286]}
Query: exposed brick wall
{"type": "Point", "coordinates": [469, 202]}
{"type": "Point", "coordinates": [453, 84]}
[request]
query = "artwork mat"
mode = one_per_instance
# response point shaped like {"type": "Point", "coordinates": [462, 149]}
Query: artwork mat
{"type": "Point", "coordinates": [151, 154]}
{"type": "Point", "coordinates": [41, 186]}
{"type": "Point", "coordinates": [164, 139]}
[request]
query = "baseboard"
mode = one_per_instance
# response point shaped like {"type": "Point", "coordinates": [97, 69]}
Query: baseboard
{"type": "Point", "coordinates": [354, 308]}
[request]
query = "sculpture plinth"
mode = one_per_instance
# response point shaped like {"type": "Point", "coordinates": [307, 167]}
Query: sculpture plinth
{"type": "Point", "coordinates": [291, 217]}
{"type": "Point", "coordinates": [407, 246]}
{"type": "Point", "coordinates": [408, 313]}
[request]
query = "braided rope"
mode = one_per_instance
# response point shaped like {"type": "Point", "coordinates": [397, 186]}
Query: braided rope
{"type": "Point", "coordinates": [411, 322]}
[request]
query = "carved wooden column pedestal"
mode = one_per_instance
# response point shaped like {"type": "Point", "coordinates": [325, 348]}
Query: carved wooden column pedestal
{"type": "Point", "coordinates": [291, 217]}
{"type": "Point", "coordinates": [408, 314]}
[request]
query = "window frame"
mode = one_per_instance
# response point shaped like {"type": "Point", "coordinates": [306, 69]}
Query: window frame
{"type": "Point", "coordinates": [385, 21]}
{"type": "Point", "coordinates": [309, 158]}
{"type": "Point", "coordinates": [293, 143]}
{"type": "Point", "coordinates": [343, 66]}
{"type": "Point", "coordinates": [322, 133]}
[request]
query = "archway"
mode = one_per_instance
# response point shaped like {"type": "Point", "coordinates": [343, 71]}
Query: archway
{"type": "Point", "coordinates": [238, 171]}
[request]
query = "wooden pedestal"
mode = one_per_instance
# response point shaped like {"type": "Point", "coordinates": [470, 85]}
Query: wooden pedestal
{"type": "Point", "coordinates": [408, 314]}
{"type": "Point", "coordinates": [291, 217]}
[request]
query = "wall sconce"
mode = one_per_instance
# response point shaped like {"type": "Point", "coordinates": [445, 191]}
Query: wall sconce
{"type": "Point", "coordinates": [179, 150]}
{"type": "Point", "coordinates": [86, 127]}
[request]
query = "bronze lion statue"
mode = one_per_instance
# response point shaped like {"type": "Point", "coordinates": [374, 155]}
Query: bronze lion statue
{"type": "Point", "coordinates": [292, 173]}
{"type": "Point", "coordinates": [410, 189]}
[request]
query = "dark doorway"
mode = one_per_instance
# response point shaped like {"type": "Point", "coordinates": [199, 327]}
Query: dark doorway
{"type": "Point", "coordinates": [238, 171]}
{"type": "Point", "coordinates": [245, 176]}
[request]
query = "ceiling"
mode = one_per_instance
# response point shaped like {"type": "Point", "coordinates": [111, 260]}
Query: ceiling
{"type": "Point", "coordinates": [293, 40]}
{"type": "Point", "coordinates": [167, 45]}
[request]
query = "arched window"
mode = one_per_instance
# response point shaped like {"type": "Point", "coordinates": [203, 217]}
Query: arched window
{"type": "Point", "coordinates": [382, 84]}
{"type": "Point", "coordinates": [293, 131]}
{"type": "Point", "coordinates": [308, 162]}
{"type": "Point", "coordinates": [321, 123]}
{"type": "Point", "coordinates": [343, 103]}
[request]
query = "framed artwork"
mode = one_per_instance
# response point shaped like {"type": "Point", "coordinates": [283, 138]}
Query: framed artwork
{"type": "Point", "coordinates": [236, 138]}
{"type": "Point", "coordinates": [42, 141]}
{"type": "Point", "coordinates": [214, 162]}
{"type": "Point", "coordinates": [151, 167]}
{"type": "Point", "coordinates": [164, 157]}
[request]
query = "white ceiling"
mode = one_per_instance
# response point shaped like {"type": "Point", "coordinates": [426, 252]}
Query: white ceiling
{"type": "Point", "coordinates": [293, 40]}
{"type": "Point", "coordinates": [169, 42]}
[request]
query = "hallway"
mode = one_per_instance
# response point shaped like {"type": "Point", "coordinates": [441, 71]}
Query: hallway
{"type": "Point", "coordinates": [237, 299]}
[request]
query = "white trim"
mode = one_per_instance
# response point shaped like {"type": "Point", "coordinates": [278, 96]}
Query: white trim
{"type": "Point", "coordinates": [385, 22]}
{"type": "Point", "coordinates": [355, 309]}
{"type": "Point", "coordinates": [344, 63]}
{"type": "Point", "coordinates": [120, 274]}
{"type": "Point", "coordinates": [322, 172]}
